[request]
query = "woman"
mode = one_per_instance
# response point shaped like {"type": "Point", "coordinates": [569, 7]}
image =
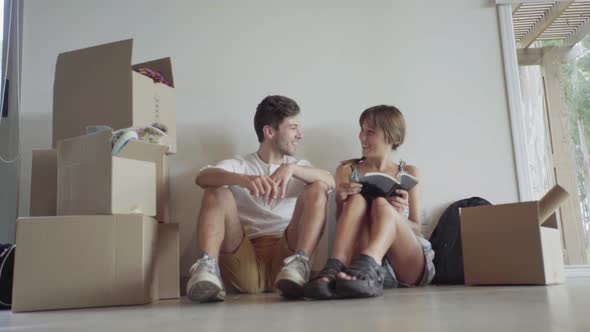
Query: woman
{"type": "Point", "coordinates": [382, 234]}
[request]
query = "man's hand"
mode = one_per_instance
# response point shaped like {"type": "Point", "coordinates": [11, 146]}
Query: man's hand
{"type": "Point", "coordinates": [282, 176]}
{"type": "Point", "coordinates": [346, 189]}
{"type": "Point", "coordinates": [259, 186]}
{"type": "Point", "coordinates": [399, 202]}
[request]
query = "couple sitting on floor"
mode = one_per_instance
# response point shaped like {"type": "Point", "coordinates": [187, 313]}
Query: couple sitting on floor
{"type": "Point", "coordinates": [263, 214]}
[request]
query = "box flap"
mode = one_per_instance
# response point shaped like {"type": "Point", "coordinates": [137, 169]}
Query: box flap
{"type": "Point", "coordinates": [83, 174]}
{"type": "Point", "coordinates": [92, 87]}
{"type": "Point", "coordinates": [550, 202]}
{"type": "Point", "coordinates": [75, 149]}
{"type": "Point", "coordinates": [43, 183]}
{"type": "Point", "coordinates": [144, 151]}
{"type": "Point", "coordinates": [163, 65]}
{"type": "Point", "coordinates": [552, 256]}
{"type": "Point", "coordinates": [134, 259]}
{"type": "Point", "coordinates": [551, 222]}
{"type": "Point", "coordinates": [168, 261]}
{"type": "Point", "coordinates": [133, 186]}
{"type": "Point", "coordinates": [141, 150]}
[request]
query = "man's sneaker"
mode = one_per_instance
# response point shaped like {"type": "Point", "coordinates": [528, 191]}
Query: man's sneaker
{"type": "Point", "coordinates": [293, 275]}
{"type": "Point", "coordinates": [205, 283]}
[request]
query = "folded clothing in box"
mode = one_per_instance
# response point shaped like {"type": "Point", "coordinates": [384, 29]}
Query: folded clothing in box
{"type": "Point", "coordinates": [154, 133]}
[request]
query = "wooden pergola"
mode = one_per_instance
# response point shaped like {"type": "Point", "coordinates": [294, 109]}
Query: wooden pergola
{"type": "Point", "coordinates": [565, 21]}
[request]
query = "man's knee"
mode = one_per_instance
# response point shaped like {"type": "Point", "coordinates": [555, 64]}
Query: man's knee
{"type": "Point", "coordinates": [316, 192]}
{"type": "Point", "coordinates": [217, 194]}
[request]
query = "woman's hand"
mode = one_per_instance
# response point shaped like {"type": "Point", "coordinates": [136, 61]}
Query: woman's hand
{"type": "Point", "coordinates": [346, 189]}
{"type": "Point", "coordinates": [400, 201]}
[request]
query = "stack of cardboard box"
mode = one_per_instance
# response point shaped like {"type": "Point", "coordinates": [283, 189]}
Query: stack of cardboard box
{"type": "Point", "coordinates": [99, 232]}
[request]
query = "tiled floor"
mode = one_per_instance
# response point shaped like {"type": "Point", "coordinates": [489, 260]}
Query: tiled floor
{"type": "Point", "coordinates": [499, 309]}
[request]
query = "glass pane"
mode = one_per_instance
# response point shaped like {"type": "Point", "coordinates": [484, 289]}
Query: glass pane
{"type": "Point", "coordinates": [577, 93]}
{"type": "Point", "coordinates": [538, 151]}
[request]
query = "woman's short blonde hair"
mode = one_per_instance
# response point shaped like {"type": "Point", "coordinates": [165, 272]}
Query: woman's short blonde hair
{"type": "Point", "coordinates": [389, 119]}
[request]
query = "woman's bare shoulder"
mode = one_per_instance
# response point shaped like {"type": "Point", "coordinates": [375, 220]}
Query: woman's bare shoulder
{"type": "Point", "coordinates": [412, 170]}
{"type": "Point", "coordinates": [344, 169]}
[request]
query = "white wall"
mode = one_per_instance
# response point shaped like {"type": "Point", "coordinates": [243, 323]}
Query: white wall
{"type": "Point", "coordinates": [438, 61]}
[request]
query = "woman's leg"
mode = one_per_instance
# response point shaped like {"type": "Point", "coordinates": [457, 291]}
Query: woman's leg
{"type": "Point", "coordinates": [406, 255]}
{"type": "Point", "coordinates": [348, 235]}
{"type": "Point", "coordinates": [390, 235]}
{"type": "Point", "coordinates": [349, 228]}
{"type": "Point", "coordinates": [351, 233]}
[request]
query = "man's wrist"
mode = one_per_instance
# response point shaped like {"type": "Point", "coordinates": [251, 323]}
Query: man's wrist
{"type": "Point", "coordinates": [292, 167]}
{"type": "Point", "coordinates": [242, 179]}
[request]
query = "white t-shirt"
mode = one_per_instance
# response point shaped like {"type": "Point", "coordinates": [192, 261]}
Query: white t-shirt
{"type": "Point", "coordinates": [257, 216]}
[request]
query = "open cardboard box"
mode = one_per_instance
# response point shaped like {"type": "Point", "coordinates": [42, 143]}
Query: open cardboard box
{"type": "Point", "coordinates": [91, 181]}
{"type": "Point", "coordinates": [514, 244]}
{"type": "Point", "coordinates": [97, 86]}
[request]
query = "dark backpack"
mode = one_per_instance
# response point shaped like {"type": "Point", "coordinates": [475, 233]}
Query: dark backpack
{"type": "Point", "coordinates": [6, 273]}
{"type": "Point", "coordinates": [446, 243]}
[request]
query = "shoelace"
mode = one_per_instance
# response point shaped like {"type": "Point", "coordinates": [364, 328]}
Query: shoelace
{"type": "Point", "coordinates": [205, 262]}
{"type": "Point", "coordinates": [299, 261]}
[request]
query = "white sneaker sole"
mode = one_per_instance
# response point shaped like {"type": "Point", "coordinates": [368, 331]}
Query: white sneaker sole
{"type": "Point", "coordinates": [290, 284]}
{"type": "Point", "coordinates": [206, 291]}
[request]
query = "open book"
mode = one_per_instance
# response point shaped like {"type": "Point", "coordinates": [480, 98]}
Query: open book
{"type": "Point", "coordinates": [384, 185]}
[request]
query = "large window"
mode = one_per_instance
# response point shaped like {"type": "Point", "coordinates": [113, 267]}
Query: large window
{"type": "Point", "coordinates": [576, 82]}
{"type": "Point", "coordinates": [550, 114]}
{"type": "Point", "coordinates": [556, 108]}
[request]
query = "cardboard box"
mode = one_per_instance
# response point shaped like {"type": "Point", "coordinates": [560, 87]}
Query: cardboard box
{"type": "Point", "coordinates": [97, 86]}
{"type": "Point", "coordinates": [83, 261]}
{"type": "Point", "coordinates": [514, 244]}
{"type": "Point", "coordinates": [168, 262]}
{"type": "Point", "coordinates": [90, 181]}
{"type": "Point", "coordinates": [145, 152]}
{"type": "Point", "coordinates": [43, 183]}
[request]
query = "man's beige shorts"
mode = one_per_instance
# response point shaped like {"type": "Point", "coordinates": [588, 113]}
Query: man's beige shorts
{"type": "Point", "coordinates": [253, 267]}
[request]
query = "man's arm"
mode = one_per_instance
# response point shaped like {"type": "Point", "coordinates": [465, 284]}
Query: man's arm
{"type": "Point", "coordinates": [306, 174]}
{"type": "Point", "coordinates": [217, 177]}
{"type": "Point", "coordinates": [309, 174]}
{"type": "Point", "coordinates": [256, 185]}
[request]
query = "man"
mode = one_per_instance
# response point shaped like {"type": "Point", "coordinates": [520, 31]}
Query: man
{"type": "Point", "coordinates": [262, 214]}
